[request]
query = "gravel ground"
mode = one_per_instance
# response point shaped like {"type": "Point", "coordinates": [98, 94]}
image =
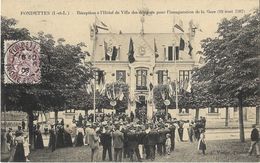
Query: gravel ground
{"type": "Point", "coordinates": [217, 151]}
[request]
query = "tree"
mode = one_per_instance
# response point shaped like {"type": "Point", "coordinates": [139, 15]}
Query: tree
{"type": "Point", "coordinates": [232, 62]}
{"type": "Point", "coordinates": [63, 76]}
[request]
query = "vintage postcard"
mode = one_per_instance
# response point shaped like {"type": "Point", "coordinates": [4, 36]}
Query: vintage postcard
{"type": "Point", "coordinates": [130, 81]}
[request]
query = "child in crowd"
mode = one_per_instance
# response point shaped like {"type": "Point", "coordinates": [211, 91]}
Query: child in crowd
{"type": "Point", "coordinates": [168, 144]}
{"type": "Point", "coordinates": [202, 142]}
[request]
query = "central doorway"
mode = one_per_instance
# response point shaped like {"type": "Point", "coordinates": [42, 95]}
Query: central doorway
{"type": "Point", "coordinates": [141, 108]}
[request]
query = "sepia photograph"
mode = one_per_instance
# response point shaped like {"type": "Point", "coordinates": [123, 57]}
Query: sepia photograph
{"type": "Point", "coordinates": [130, 81]}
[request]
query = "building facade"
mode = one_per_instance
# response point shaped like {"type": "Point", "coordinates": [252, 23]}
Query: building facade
{"type": "Point", "coordinates": [143, 60]}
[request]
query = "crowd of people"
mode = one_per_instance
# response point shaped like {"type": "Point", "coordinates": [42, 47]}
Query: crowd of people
{"type": "Point", "coordinates": [18, 144]}
{"type": "Point", "coordinates": [127, 136]}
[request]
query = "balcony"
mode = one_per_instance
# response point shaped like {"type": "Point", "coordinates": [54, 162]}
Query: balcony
{"type": "Point", "coordinates": [141, 88]}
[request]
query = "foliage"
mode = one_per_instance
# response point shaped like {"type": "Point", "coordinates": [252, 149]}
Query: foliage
{"type": "Point", "coordinates": [63, 76]}
{"type": "Point", "coordinates": [232, 61]}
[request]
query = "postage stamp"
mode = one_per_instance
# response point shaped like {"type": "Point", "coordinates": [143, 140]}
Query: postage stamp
{"type": "Point", "coordinates": [22, 62]}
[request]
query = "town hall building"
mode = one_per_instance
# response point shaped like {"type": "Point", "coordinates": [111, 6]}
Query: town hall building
{"type": "Point", "coordinates": [142, 60]}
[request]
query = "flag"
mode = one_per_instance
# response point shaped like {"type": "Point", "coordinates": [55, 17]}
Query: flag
{"type": "Point", "coordinates": [131, 57]}
{"type": "Point", "coordinates": [87, 53]}
{"type": "Point", "coordinates": [155, 50]}
{"type": "Point", "coordinates": [189, 87]}
{"type": "Point", "coordinates": [95, 28]}
{"type": "Point", "coordinates": [113, 92]}
{"type": "Point", "coordinates": [109, 95]}
{"type": "Point", "coordinates": [114, 53]}
{"type": "Point", "coordinates": [163, 95]}
{"type": "Point", "coordinates": [92, 31]}
{"type": "Point", "coordinates": [173, 88]}
{"type": "Point", "coordinates": [178, 27]}
{"type": "Point", "coordinates": [100, 77]}
{"type": "Point", "coordinates": [170, 90]}
{"type": "Point", "coordinates": [89, 88]}
{"type": "Point", "coordinates": [190, 49]}
{"type": "Point", "coordinates": [103, 90]}
{"type": "Point", "coordinates": [185, 84]}
{"type": "Point", "coordinates": [108, 49]}
{"type": "Point", "coordinates": [182, 44]}
{"type": "Point", "coordinates": [137, 99]}
{"type": "Point", "coordinates": [99, 24]}
{"type": "Point", "coordinates": [180, 86]}
{"type": "Point", "coordinates": [107, 53]}
{"type": "Point", "coordinates": [151, 86]}
{"type": "Point", "coordinates": [121, 94]}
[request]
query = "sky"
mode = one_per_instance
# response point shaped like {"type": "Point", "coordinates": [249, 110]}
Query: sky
{"type": "Point", "coordinates": [74, 28]}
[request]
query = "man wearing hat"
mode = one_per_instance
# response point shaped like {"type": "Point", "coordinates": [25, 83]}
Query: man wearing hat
{"type": "Point", "coordinates": [9, 138]}
{"type": "Point", "coordinates": [118, 143]}
{"type": "Point", "coordinates": [87, 131]}
{"type": "Point", "coordinates": [254, 141]}
{"type": "Point", "coordinates": [132, 138]}
{"type": "Point", "coordinates": [106, 141]}
{"type": "Point", "coordinates": [172, 129]}
{"type": "Point", "coordinates": [93, 143]}
{"type": "Point", "coordinates": [152, 141]}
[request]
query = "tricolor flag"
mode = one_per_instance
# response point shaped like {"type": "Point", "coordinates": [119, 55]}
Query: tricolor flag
{"type": "Point", "coordinates": [179, 26]}
{"type": "Point", "coordinates": [137, 99]}
{"type": "Point", "coordinates": [92, 31]}
{"type": "Point", "coordinates": [182, 44]}
{"type": "Point", "coordinates": [185, 84]}
{"type": "Point", "coordinates": [101, 77]}
{"type": "Point", "coordinates": [155, 50]}
{"type": "Point", "coordinates": [108, 49]}
{"type": "Point", "coordinates": [114, 53]}
{"type": "Point", "coordinates": [190, 48]}
{"type": "Point", "coordinates": [103, 89]}
{"type": "Point", "coordinates": [189, 87]}
{"type": "Point", "coordinates": [121, 94]}
{"type": "Point", "coordinates": [151, 86]}
{"type": "Point", "coordinates": [89, 88]}
{"type": "Point", "coordinates": [99, 24]}
{"type": "Point", "coordinates": [109, 95]}
{"type": "Point", "coordinates": [131, 57]}
{"type": "Point", "coordinates": [163, 95]}
{"type": "Point", "coordinates": [113, 92]}
{"type": "Point", "coordinates": [172, 88]}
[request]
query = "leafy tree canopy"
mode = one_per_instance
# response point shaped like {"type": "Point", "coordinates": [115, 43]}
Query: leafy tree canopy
{"type": "Point", "coordinates": [232, 61]}
{"type": "Point", "coordinates": [63, 75]}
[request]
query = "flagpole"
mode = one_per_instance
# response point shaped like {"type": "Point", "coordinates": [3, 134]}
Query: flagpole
{"type": "Point", "coordinates": [94, 64]}
{"type": "Point", "coordinates": [176, 82]}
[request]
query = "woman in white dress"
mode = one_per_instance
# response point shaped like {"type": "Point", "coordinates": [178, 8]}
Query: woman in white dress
{"type": "Point", "coordinates": [177, 136]}
{"type": "Point", "coordinates": [185, 132]}
{"type": "Point", "coordinates": [26, 147]}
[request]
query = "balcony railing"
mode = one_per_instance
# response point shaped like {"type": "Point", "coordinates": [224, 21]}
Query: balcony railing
{"type": "Point", "coordinates": [141, 88]}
